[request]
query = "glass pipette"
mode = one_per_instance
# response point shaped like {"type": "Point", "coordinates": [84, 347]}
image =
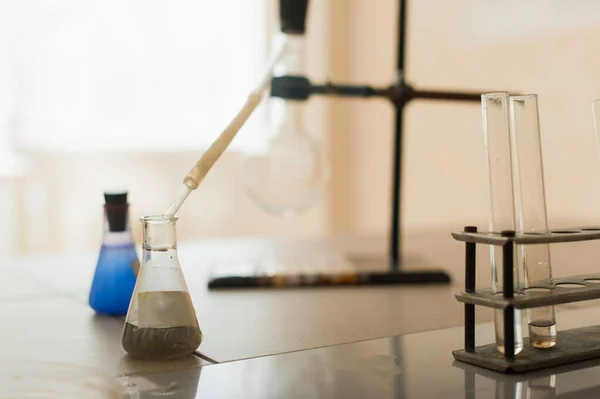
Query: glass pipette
{"type": "Point", "coordinates": [496, 135]}
{"type": "Point", "coordinates": [218, 147]}
{"type": "Point", "coordinates": [532, 218]}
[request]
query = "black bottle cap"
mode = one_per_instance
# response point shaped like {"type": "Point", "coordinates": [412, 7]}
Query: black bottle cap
{"type": "Point", "coordinates": [116, 210]}
{"type": "Point", "coordinates": [290, 87]}
{"type": "Point", "coordinates": [115, 197]}
{"type": "Point", "coordinates": [292, 15]}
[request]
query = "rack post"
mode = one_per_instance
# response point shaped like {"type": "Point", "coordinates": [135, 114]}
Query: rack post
{"type": "Point", "coordinates": [470, 278]}
{"type": "Point", "coordinates": [508, 254]}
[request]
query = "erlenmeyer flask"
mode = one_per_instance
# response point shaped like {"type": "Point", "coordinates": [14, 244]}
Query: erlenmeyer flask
{"type": "Point", "coordinates": [118, 262]}
{"type": "Point", "coordinates": [161, 322]}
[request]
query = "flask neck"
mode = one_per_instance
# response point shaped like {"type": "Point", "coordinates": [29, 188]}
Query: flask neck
{"type": "Point", "coordinates": [286, 115]}
{"type": "Point", "coordinates": [159, 233]}
{"type": "Point", "coordinates": [292, 61]}
{"type": "Point", "coordinates": [117, 230]}
{"type": "Point", "coordinates": [159, 244]}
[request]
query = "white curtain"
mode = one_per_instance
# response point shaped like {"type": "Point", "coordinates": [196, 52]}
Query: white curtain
{"type": "Point", "coordinates": [102, 94]}
{"type": "Point", "coordinates": [160, 75]}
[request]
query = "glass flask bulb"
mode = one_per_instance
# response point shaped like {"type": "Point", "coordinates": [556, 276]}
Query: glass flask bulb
{"type": "Point", "coordinates": [288, 173]}
{"type": "Point", "coordinates": [118, 264]}
{"type": "Point", "coordinates": [161, 322]}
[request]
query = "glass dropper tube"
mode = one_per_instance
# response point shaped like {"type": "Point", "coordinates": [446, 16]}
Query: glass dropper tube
{"type": "Point", "coordinates": [532, 217]}
{"type": "Point", "coordinates": [496, 134]}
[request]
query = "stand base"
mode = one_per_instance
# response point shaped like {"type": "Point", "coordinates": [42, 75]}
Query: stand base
{"type": "Point", "coordinates": [357, 272]}
{"type": "Point", "coordinates": [573, 346]}
{"type": "Point", "coordinates": [332, 280]}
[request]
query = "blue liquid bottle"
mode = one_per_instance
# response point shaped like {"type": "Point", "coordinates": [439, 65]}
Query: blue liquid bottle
{"type": "Point", "coordinates": [118, 264]}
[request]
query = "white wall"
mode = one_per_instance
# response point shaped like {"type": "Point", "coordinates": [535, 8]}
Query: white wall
{"type": "Point", "coordinates": [444, 180]}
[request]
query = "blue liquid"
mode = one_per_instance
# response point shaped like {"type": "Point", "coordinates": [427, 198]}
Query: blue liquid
{"type": "Point", "coordinates": [114, 279]}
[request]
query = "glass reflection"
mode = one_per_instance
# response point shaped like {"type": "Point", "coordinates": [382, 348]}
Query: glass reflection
{"type": "Point", "coordinates": [580, 380]}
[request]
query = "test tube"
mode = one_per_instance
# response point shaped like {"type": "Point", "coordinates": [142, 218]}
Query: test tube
{"type": "Point", "coordinates": [531, 216]}
{"type": "Point", "coordinates": [496, 134]}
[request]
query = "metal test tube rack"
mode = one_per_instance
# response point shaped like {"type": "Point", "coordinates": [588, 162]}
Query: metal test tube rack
{"type": "Point", "coordinates": [574, 345]}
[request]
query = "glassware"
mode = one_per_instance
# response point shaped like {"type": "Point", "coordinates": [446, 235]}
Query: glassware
{"type": "Point", "coordinates": [161, 322]}
{"type": "Point", "coordinates": [500, 196]}
{"type": "Point", "coordinates": [118, 264]}
{"type": "Point", "coordinates": [289, 173]}
{"type": "Point", "coordinates": [531, 217]}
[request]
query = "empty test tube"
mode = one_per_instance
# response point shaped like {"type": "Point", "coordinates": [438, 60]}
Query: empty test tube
{"type": "Point", "coordinates": [531, 216]}
{"type": "Point", "coordinates": [496, 135]}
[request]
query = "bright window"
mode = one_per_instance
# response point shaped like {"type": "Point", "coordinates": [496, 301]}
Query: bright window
{"type": "Point", "coordinates": [143, 75]}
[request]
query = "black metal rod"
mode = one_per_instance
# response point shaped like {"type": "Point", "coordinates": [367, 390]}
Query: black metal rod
{"type": "Point", "coordinates": [401, 37]}
{"type": "Point", "coordinates": [395, 228]}
{"type": "Point", "coordinates": [392, 93]}
{"type": "Point", "coordinates": [508, 292]}
{"type": "Point", "coordinates": [470, 277]}
{"type": "Point", "coordinates": [509, 333]}
{"type": "Point", "coordinates": [395, 233]}
{"type": "Point", "coordinates": [470, 261]}
{"type": "Point", "coordinates": [445, 95]}
{"type": "Point", "coordinates": [347, 90]}
{"type": "Point", "coordinates": [507, 266]}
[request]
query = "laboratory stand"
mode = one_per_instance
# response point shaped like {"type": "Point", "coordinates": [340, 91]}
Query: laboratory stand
{"type": "Point", "coordinates": [400, 93]}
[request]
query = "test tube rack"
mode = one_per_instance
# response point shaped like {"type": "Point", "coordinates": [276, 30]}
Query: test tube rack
{"type": "Point", "coordinates": [573, 345]}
